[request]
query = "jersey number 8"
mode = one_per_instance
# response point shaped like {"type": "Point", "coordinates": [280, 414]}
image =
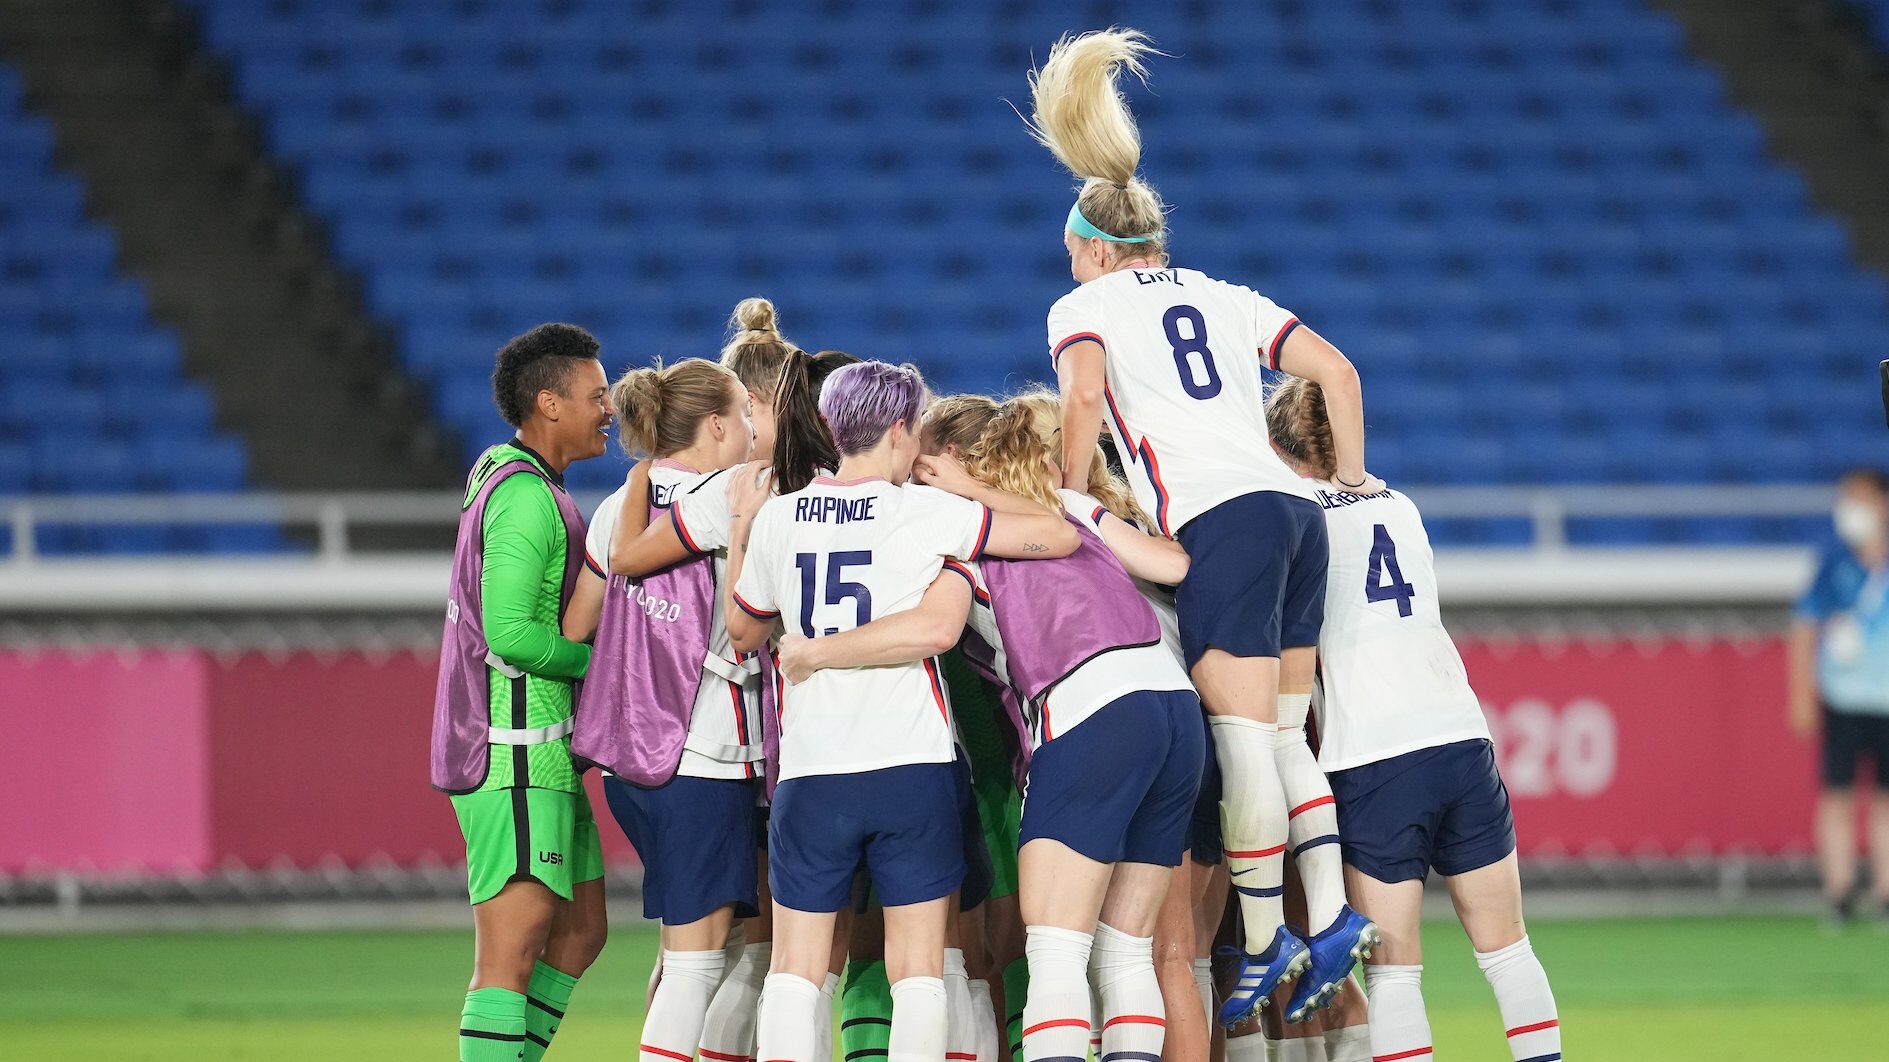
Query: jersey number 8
{"type": "Point", "coordinates": [1186, 348]}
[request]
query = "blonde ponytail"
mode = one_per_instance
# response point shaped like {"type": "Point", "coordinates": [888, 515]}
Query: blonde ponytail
{"type": "Point", "coordinates": [756, 350]}
{"type": "Point", "coordinates": [659, 408]}
{"type": "Point", "coordinates": [1101, 484]}
{"type": "Point", "coordinates": [1081, 116]}
{"type": "Point", "coordinates": [1017, 454]}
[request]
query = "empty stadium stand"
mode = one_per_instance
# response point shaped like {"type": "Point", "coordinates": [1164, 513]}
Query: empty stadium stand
{"type": "Point", "coordinates": [92, 393]}
{"type": "Point", "coordinates": [1556, 249]}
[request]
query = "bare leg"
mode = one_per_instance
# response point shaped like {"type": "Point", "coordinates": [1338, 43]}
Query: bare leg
{"type": "Point", "coordinates": [1489, 904]}
{"type": "Point", "coordinates": [578, 930]}
{"type": "Point", "coordinates": [509, 934]}
{"type": "Point", "coordinates": [1174, 951]}
{"type": "Point", "coordinates": [1836, 842]}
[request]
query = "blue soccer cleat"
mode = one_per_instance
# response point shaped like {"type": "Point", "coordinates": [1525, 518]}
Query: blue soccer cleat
{"type": "Point", "coordinates": [1334, 950]}
{"type": "Point", "coordinates": [1283, 960]}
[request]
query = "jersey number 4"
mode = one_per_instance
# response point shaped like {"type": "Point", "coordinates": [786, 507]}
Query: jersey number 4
{"type": "Point", "coordinates": [1191, 356]}
{"type": "Point", "coordinates": [838, 590]}
{"type": "Point", "coordinates": [1385, 580]}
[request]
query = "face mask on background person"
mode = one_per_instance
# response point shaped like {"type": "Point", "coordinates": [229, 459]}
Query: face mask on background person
{"type": "Point", "coordinates": [1858, 523]}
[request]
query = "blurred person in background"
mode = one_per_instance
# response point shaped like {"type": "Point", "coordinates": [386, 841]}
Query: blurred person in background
{"type": "Point", "coordinates": [1839, 673]}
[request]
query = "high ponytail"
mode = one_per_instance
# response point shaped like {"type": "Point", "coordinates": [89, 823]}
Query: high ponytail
{"type": "Point", "coordinates": [1081, 116]}
{"type": "Point", "coordinates": [802, 444]}
{"type": "Point", "coordinates": [1297, 421]}
{"type": "Point", "coordinates": [659, 408]}
{"type": "Point", "coordinates": [1017, 454]}
{"type": "Point", "coordinates": [756, 350]}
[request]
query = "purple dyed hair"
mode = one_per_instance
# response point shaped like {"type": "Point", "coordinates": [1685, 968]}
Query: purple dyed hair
{"type": "Point", "coordinates": [861, 402]}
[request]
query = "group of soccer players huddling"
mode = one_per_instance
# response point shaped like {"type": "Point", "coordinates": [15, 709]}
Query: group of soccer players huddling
{"type": "Point", "coordinates": [927, 704]}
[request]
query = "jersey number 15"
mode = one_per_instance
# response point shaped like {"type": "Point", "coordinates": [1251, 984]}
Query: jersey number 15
{"type": "Point", "coordinates": [838, 590]}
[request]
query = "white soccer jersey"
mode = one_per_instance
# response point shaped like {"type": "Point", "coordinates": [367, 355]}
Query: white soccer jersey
{"type": "Point", "coordinates": [1185, 399]}
{"type": "Point", "coordinates": [836, 556]}
{"type": "Point", "coordinates": [725, 730]}
{"type": "Point", "coordinates": [1392, 681]}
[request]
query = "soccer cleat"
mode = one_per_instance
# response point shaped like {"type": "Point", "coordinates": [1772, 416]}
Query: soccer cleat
{"type": "Point", "coordinates": [1283, 960]}
{"type": "Point", "coordinates": [1334, 951]}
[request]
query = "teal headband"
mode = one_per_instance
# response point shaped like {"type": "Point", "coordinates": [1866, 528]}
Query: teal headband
{"type": "Point", "coordinates": [1085, 228]}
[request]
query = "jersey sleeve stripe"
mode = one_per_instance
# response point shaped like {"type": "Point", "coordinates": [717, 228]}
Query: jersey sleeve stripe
{"type": "Point", "coordinates": [976, 591]}
{"type": "Point", "coordinates": [757, 613]}
{"type": "Point", "coordinates": [983, 536]}
{"type": "Point", "coordinates": [688, 541]}
{"type": "Point", "coordinates": [1272, 349]}
{"type": "Point", "coordinates": [591, 563]}
{"type": "Point", "coordinates": [1079, 337]}
{"type": "Point", "coordinates": [1096, 516]}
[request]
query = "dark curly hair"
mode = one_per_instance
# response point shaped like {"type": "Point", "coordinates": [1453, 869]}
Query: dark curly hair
{"type": "Point", "coordinates": [537, 361]}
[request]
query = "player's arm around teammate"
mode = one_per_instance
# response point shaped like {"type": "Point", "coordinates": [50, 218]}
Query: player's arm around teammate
{"type": "Point", "coordinates": [502, 712]}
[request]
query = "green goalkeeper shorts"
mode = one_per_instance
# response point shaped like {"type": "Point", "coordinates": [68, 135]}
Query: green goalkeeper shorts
{"type": "Point", "coordinates": [1000, 811]}
{"type": "Point", "coordinates": [528, 834]}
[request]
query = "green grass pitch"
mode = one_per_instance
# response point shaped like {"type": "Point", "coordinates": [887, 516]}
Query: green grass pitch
{"type": "Point", "coordinates": [1629, 990]}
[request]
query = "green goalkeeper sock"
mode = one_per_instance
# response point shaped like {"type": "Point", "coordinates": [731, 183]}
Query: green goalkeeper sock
{"type": "Point", "coordinates": [1016, 987]}
{"type": "Point", "coordinates": [492, 1027]}
{"type": "Point", "coordinates": [548, 997]}
{"type": "Point", "coordinates": [866, 1011]}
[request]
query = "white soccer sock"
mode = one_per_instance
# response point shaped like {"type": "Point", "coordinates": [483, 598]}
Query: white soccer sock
{"type": "Point", "coordinates": [1302, 1049]}
{"type": "Point", "coordinates": [1526, 1001]}
{"type": "Point", "coordinates": [732, 946]}
{"type": "Point", "coordinates": [1349, 1044]}
{"type": "Point", "coordinates": [960, 1032]}
{"type": "Point", "coordinates": [984, 1022]}
{"type": "Point", "coordinates": [1312, 818]}
{"type": "Point", "coordinates": [1203, 980]}
{"type": "Point", "coordinates": [673, 1026]}
{"type": "Point", "coordinates": [1056, 1011]}
{"type": "Point", "coordinates": [728, 1029]}
{"type": "Point", "coordinates": [1253, 819]}
{"type": "Point", "coordinates": [789, 1004]}
{"type": "Point", "coordinates": [823, 1018]}
{"type": "Point", "coordinates": [918, 1020]}
{"type": "Point", "coordinates": [1134, 1018]}
{"type": "Point", "coordinates": [1399, 1026]}
{"type": "Point", "coordinates": [1251, 1047]}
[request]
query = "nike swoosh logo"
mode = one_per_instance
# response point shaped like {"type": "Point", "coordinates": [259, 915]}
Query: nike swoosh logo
{"type": "Point", "coordinates": [1248, 870]}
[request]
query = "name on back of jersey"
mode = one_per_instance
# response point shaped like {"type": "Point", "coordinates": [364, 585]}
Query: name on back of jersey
{"type": "Point", "coordinates": [1338, 499]}
{"type": "Point", "coordinates": [827, 509]}
{"type": "Point", "coordinates": [1159, 276]}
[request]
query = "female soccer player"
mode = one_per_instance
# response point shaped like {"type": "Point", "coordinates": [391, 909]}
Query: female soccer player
{"type": "Point", "coordinates": [866, 754]}
{"type": "Point", "coordinates": [502, 709]}
{"type": "Point", "coordinates": [1175, 356]}
{"type": "Point", "coordinates": [1118, 750]}
{"type": "Point", "coordinates": [695, 523]}
{"type": "Point", "coordinates": [1409, 756]}
{"type": "Point", "coordinates": [691, 819]}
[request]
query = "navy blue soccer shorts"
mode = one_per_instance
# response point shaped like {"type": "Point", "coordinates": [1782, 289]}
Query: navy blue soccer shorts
{"type": "Point", "coordinates": [1119, 787]}
{"type": "Point", "coordinates": [696, 838]}
{"type": "Point", "coordinates": [903, 823]}
{"type": "Point", "coordinates": [1443, 808]}
{"type": "Point", "coordinates": [1255, 578]}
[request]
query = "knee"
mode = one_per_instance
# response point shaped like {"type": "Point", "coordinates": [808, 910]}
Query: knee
{"type": "Point", "coordinates": [588, 943]}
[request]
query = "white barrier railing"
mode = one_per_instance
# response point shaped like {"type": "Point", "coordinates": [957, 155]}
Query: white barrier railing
{"type": "Point", "coordinates": [337, 575]}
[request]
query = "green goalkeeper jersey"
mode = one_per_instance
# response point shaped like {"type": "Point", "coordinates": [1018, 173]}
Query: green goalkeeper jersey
{"type": "Point", "coordinates": [521, 612]}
